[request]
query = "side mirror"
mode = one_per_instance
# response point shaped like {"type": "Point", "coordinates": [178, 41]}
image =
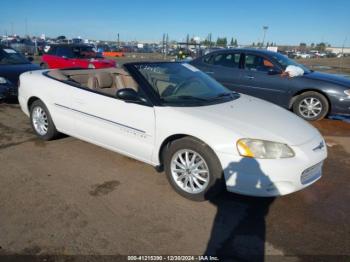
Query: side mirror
{"type": "Point", "coordinates": [274, 71]}
{"type": "Point", "coordinates": [30, 59]}
{"type": "Point", "coordinates": [128, 95]}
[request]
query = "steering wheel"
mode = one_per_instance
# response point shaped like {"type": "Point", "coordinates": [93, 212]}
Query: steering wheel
{"type": "Point", "coordinates": [184, 83]}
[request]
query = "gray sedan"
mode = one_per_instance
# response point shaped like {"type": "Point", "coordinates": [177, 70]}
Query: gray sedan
{"type": "Point", "coordinates": [261, 73]}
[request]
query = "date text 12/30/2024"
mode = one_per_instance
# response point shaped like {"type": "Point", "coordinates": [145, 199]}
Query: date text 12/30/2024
{"type": "Point", "coordinates": [173, 258]}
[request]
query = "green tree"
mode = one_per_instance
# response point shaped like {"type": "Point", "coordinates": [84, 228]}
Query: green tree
{"type": "Point", "coordinates": [232, 42]}
{"type": "Point", "coordinates": [253, 44]}
{"type": "Point", "coordinates": [207, 42]}
{"type": "Point", "coordinates": [235, 43]}
{"type": "Point", "coordinates": [221, 42]}
{"type": "Point", "coordinates": [302, 46]}
{"type": "Point", "coordinates": [321, 47]}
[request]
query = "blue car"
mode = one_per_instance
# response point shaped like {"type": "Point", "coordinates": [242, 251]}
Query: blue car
{"type": "Point", "coordinates": [12, 64]}
{"type": "Point", "coordinates": [261, 73]}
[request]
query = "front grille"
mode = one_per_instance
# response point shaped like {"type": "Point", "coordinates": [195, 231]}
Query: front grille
{"type": "Point", "coordinates": [311, 174]}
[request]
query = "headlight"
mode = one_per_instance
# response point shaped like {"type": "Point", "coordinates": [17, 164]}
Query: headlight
{"type": "Point", "coordinates": [91, 66]}
{"type": "Point", "coordinates": [263, 149]}
{"type": "Point", "coordinates": [347, 92]}
{"type": "Point", "coordinates": [2, 80]}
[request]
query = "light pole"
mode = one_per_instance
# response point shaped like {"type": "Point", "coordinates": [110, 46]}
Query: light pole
{"type": "Point", "coordinates": [264, 29]}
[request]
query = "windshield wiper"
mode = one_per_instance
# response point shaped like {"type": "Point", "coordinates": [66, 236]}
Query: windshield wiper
{"type": "Point", "coordinates": [229, 94]}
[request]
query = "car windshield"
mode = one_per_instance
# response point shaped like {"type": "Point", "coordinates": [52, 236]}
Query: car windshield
{"type": "Point", "coordinates": [284, 61]}
{"type": "Point", "coordinates": [10, 56]}
{"type": "Point", "coordinates": [183, 84]}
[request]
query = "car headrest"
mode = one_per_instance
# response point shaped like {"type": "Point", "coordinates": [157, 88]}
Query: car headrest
{"type": "Point", "coordinates": [104, 79]}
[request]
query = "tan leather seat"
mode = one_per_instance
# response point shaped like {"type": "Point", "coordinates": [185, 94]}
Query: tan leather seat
{"type": "Point", "coordinates": [125, 81]}
{"type": "Point", "coordinates": [102, 82]}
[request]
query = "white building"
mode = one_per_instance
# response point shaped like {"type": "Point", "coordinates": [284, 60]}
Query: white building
{"type": "Point", "coordinates": [338, 50]}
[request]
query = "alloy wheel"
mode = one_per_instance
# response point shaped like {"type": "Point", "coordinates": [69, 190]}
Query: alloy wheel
{"type": "Point", "coordinates": [190, 171]}
{"type": "Point", "coordinates": [40, 121]}
{"type": "Point", "coordinates": [310, 107]}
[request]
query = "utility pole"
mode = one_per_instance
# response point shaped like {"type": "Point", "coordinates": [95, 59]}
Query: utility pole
{"type": "Point", "coordinates": [342, 54]}
{"type": "Point", "coordinates": [26, 26]}
{"type": "Point", "coordinates": [166, 44]}
{"type": "Point", "coordinates": [264, 29]}
{"type": "Point", "coordinates": [163, 46]}
{"type": "Point", "coordinates": [209, 39]}
{"type": "Point", "coordinates": [118, 42]}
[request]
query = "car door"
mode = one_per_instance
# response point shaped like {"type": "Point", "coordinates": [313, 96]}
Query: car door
{"type": "Point", "coordinates": [223, 67]}
{"type": "Point", "coordinates": [261, 78]}
{"type": "Point", "coordinates": [128, 128]}
{"type": "Point", "coordinates": [64, 57]}
{"type": "Point", "coordinates": [78, 56]}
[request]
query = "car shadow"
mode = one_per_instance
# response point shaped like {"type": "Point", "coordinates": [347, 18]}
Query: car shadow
{"type": "Point", "coordinates": [239, 228]}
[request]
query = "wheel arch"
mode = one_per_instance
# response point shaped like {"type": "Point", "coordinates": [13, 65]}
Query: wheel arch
{"type": "Point", "coordinates": [297, 94]}
{"type": "Point", "coordinates": [167, 141]}
{"type": "Point", "coordinates": [31, 100]}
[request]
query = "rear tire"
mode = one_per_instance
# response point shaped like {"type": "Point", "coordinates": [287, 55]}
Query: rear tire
{"type": "Point", "coordinates": [311, 106]}
{"type": "Point", "coordinates": [193, 169]}
{"type": "Point", "coordinates": [41, 121]}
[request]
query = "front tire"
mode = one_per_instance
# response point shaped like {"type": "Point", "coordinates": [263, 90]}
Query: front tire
{"type": "Point", "coordinates": [311, 106]}
{"type": "Point", "coordinates": [193, 169]}
{"type": "Point", "coordinates": [41, 121]}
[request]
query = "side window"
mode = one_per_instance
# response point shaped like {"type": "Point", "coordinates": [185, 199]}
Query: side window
{"type": "Point", "coordinates": [227, 60]}
{"type": "Point", "coordinates": [208, 59]}
{"type": "Point", "coordinates": [64, 52]}
{"type": "Point", "coordinates": [52, 50]}
{"type": "Point", "coordinates": [257, 63]}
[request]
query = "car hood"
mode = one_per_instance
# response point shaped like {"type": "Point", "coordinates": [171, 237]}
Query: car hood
{"type": "Point", "coordinates": [330, 78]}
{"type": "Point", "coordinates": [250, 117]}
{"type": "Point", "coordinates": [12, 72]}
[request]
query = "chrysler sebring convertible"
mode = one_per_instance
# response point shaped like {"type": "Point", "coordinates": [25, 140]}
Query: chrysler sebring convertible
{"type": "Point", "coordinates": [178, 119]}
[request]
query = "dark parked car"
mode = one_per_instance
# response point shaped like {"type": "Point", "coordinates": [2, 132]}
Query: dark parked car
{"type": "Point", "coordinates": [24, 46]}
{"type": "Point", "coordinates": [260, 73]}
{"type": "Point", "coordinates": [12, 64]}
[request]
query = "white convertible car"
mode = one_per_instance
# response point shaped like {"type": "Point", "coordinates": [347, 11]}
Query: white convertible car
{"type": "Point", "coordinates": [174, 116]}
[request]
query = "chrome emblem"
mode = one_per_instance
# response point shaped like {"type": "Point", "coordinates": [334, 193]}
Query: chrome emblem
{"type": "Point", "coordinates": [319, 147]}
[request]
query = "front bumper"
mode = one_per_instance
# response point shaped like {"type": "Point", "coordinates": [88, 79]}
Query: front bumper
{"type": "Point", "coordinates": [275, 177]}
{"type": "Point", "coordinates": [340, 106]}
{"type": "Point", "coordinates": [8, 91]}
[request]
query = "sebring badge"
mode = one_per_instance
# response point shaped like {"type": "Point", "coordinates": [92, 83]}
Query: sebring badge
{"type": "Point", "coordinates": [319, 147]}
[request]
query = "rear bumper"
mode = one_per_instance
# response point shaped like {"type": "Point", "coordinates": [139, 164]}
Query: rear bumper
{"type": "Point", "coordinates": [274, 177]}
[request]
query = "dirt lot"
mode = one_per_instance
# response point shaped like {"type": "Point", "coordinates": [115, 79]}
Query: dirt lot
{"type": "Point", "coordinates": [70, 197]}
{"type": "Point", "coordinates": [329, 65]}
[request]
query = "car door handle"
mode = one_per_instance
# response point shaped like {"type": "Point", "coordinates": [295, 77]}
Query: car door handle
{"type": "Point", "coordinates": [249, 77]}
{"type": "Point", "coordinates": [210, 73]}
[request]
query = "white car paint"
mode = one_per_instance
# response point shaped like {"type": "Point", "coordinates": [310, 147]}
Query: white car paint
{"type": "Point", "coordinates": [139, 131]}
